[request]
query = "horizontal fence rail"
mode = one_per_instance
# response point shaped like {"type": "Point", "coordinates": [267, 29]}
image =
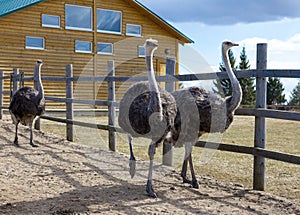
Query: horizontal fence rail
{"type": "Point", "coordinates": [259, 112]}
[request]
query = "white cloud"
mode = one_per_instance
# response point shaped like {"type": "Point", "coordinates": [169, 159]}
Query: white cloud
{"type": "Point", "coordinates": [282, 54]}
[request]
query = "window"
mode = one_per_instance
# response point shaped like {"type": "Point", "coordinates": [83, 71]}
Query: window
{"type": "Point", "coordinates": [109, 21]}
{"type": "Point", "coordinates": [105, 48]}
{"type": "Point", "coordinates": [35, 43]}
{"type": "Point", "coordinates": [141, 51]}
{"type": "Point", "coordinates": [50, 21]}
{"type": "Point", "coordinates": [83, 47]}
{"type": "Point", "coordinates": [78, 18]}
{"type": "Point", "coordinates": [133, 30]}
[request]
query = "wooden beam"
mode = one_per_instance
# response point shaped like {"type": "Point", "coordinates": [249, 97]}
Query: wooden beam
{"type": "Point", "coordinates": [260, 122]}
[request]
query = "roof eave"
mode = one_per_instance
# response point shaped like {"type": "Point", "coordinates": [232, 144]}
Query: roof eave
{"type": "Point", "coordinates": [160, 21]}
{"type": "Point", "coordinates": [20, 8]}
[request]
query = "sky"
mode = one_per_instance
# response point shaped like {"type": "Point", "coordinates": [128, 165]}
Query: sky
{"type": "Point", "coordinates": [247, 22]}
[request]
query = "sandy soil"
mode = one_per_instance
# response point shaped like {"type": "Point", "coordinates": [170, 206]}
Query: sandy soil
{"type": "Point", "coordinates": [59, 177]}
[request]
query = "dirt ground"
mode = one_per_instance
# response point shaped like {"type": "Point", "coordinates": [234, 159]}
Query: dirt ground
{"type": "Point", "coordinates": [60, 177]}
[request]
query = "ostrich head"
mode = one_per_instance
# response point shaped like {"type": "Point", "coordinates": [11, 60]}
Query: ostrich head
{"type": "Point", "coordinates": [150, 46]}
{"type": "Point", "coordinates": [235, 99]}
{"type": "Point", "coordinates": [226, 45]}
{"type": "Point", "coordinates": [39, 62]}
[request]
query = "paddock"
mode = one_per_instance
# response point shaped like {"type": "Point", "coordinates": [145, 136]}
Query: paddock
{"type": "Point", "coordinates": [102, 165]}
{"type": "Point", "coordinates": [61, 177]}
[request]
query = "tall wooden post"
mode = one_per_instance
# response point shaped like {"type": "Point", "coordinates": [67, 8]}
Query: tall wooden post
{"type": "Point", "coordinates": [15, 79]}
{"type": "Point", "coordinates": [1, 93]}
{"type": "Point", "coordinates": [37, 122]}
{"type": "Point", "coordinates": [69, 103]}
{"type": "Point", "coordinates": [111, 108]}
{"type": "Point", "coordinates": [260, 123]}
{"type": "Point", "coordinates": [170, 87]}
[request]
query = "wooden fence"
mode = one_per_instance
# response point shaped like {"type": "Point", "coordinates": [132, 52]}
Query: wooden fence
{"type": "Point", "coordinates": [259, 112]}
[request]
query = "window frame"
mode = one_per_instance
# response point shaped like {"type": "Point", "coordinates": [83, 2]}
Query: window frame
{"type": "Point", "coordinates": [33, 47]}
{"type": "Point", "coordinates": [105, 53]}
{"type": "Point", "coordinates": [83, 51]}
{"type": "Point", "coordinates": [131, 34]}
{"type": "Point", "coordinates": [78, 28]}
{"type": "Point", "coordinates": [141, 55]}
{"type": "Point", "coordinates": [51, 26]}
{"type": "Point", "coordinates": [108, 31]}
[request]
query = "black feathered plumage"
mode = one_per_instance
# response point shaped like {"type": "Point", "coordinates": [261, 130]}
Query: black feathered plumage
{"type": "Point", "coordinates": [146, 110]}
{"type": "Point", "coordinates": [26, 104]}
{"type": "Point", "coordinates": [202, 112]}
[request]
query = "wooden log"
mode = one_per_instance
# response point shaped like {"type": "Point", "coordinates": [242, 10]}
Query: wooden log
{"type": "Point", "coordinates": [167, 158]}
{"type": "Point", "coordinates": [260, 123]}
{"type": "Point", "coordinates": [279, 156]}
{"type": "Point", "coordinates": [37, 122]}
{"type": "Point", "coordinates": [111, 108]}
{"type": "Point", "coordinates": [1, 93]}
{"type": "Point", "coordinates": [275, 114]}
{"type": "Point", "coordinates": [15, 79]}
{"type": "Point", "coordinates": [69, 104]}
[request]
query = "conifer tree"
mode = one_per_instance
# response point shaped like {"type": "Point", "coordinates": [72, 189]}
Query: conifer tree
{"type": "Point", "coordinates": [295, 96]}
{"type": "Point", "coordinates": [275, 90]}
{"type": "Point", "coordinates": [247, 84]}
{"type": "Point", "coordinates": [223, 87]}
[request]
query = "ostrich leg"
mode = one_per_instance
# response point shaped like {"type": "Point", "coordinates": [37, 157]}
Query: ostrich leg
{"type": "Point", "coordinates": [132, 160]}
{"type": "Point", "coordinates": [151, 153]}
{"type": "Point", "coordinates": [31, 134]}
{"type": "Point", "coordinates": [194, 182]}
{"type": "Point", "coordinates": [16, 135]}
{"type": "Point", "coordinates": [187, 155]}
{"type": "Point", "coordinates": [188, 158]}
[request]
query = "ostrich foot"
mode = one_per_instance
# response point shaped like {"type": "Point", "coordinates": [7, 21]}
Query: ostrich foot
{"type": "Point", "coordinates": [150, 190]}
{"type": "Point", "coordinates": [32, 144]}
{"type": "Point", "coordinates": [132, 167]}
{"type": "Point", "coordinates": [16, 142]}
{"type": "Point", "coordinates": [194, 183]}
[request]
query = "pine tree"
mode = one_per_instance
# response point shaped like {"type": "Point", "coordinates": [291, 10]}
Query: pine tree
{"type": "Point", "coordinates": [275, 90]}
{"type": "Point", "coordinates": [247, 84]}
{"type": "Point", "coordinates": [295, 96]}
{"type": "Point", "coordinates": [223, 87]}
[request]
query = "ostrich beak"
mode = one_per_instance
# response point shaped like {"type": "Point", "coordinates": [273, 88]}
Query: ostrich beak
{"type": "Point", "coordinates": [235, 44]}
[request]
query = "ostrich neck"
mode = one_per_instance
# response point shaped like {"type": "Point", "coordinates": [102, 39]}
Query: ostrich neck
{"type": "Point", "coordinates": [235, 99]}
{"type": "Point", "coordinates": [151, 76]}
{"type": "Point", "coordinates": [39, 86]}
{"type": "Point", "coordinates": [155, 101]}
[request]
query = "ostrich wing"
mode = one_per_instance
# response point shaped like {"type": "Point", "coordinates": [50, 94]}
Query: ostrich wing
{"type": "Point", "coordinates": [25, 102]}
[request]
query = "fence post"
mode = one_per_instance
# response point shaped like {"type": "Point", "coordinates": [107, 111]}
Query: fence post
{"type": "Point", "coordinates": [15, 79]}
{"type": "Point", "coordinates": [1, 94]}
{"type": "Point", "coordinates": [111, 108]}
{"type": "Point", "coordinates": [170, 87]}
{"type": "Point", "coordinates": [260, 123]}
{"type": "Point", "coordinates": [69, 103]}
{"type": "Point", "coordinates": [37, 123]}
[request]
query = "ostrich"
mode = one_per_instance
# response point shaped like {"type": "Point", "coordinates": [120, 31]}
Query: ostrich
{"type": "Point", "coordinates": [26, 104]}
{"type": "Point", "coordinates": [146, 110]}
{"type": "Point", "coordinates": [202, 112]}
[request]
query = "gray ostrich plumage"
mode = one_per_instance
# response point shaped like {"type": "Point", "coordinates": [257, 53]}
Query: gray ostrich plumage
{"type": "Point", "coordinates": [200, 111]}
{"type": "Point", "coordinates": [146, 110]}
{"type": "Point", "coordinates": [26, 104]}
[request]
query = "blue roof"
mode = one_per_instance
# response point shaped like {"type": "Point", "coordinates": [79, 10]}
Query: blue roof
{"type": "Point", "coordinates": [11, 6]}
{"type": "Point", "coordinates": [164, 21]}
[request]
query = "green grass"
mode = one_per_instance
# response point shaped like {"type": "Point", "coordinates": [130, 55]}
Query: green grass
{"type": "Point", "coordinates": [282, 135]}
